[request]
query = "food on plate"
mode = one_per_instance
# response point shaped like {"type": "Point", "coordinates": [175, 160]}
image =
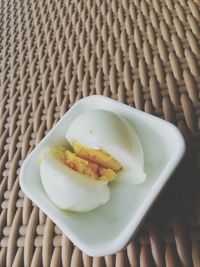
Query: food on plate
{"type": "Point", "coordinates": [104, 148]}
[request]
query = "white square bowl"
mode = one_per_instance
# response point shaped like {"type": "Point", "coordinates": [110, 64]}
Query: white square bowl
{"type": "Point", "coordinates": [107, 229]}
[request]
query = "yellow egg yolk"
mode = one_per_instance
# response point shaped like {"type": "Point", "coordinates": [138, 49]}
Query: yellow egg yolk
{"type": "Point", "coordinates": [97, 156]}
{"type": "Point", "coordinates": [96, 164]}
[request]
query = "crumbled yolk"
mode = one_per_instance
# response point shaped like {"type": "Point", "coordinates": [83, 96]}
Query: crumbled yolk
{"type": "Point", "coordinates": [97, 156]}
{"type": "Point", "coordinates": [89, 166]}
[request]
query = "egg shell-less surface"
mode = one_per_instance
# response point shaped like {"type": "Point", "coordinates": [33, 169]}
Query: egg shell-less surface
{"type": "Point", "coordinates": [100, 129]}
{"type": "Point", "coordinates": [69, 189]}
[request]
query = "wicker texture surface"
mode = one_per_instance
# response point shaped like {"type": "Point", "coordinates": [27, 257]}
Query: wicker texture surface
{"type": "Point", "coordinates": [144, 53]}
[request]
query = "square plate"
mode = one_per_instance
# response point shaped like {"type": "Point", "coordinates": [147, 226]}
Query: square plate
{"type": "Point", "coordinates": [107, 229]}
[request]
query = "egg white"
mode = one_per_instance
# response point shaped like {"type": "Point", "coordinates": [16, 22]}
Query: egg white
{"type": "Point", "coordinates": [100, 129]}
{"type": "Point", "coordinates": [69, 189]}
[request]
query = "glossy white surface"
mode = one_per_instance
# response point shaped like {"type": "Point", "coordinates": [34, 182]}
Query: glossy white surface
{"type": "Point", "coordinates": [100, 129]}
{"type": "Point", "coordinates": [108, 228]}
{"type": "Point", "coordinates": [69, 189]}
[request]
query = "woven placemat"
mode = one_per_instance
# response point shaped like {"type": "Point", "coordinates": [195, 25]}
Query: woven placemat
{"type": "Point", "coordinates": [145, 53]}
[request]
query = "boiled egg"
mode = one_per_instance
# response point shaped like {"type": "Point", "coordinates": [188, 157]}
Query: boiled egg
{"type": "Point", "coordinates": [69, 189]}
{"type": "Point", "coordinates": [104, 148]}
{"type": "Point", "coordinates": [109, 140]}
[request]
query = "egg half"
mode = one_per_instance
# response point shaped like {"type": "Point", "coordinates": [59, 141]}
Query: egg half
{"type": "Point", "coordinates": [102, 130]}
{"type": "Point", "coordinates": [104, 148]}
{"type": "Point", "coordinates": [69, 189]}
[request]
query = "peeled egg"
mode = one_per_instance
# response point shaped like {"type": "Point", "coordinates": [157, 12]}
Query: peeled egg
{"type": "Point", "coordinates": [69, 189]}
{"type": "Point", "coordinates": [100, 129]}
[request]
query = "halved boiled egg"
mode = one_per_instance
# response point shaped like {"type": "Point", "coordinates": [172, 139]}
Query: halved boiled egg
{"type": "Point", "coordinates": [109, 140]}
{"type": "Point", "coordinates": [68, 188]}
{"type": "Point", "coordinates": [105, 147]}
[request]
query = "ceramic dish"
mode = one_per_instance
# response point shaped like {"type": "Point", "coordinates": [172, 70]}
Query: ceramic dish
{"type": "Point", "coordinates": [108, 228]}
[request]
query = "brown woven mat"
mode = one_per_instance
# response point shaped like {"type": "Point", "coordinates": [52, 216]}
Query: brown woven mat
{"type": "Point", "coordinates": [145, 53]}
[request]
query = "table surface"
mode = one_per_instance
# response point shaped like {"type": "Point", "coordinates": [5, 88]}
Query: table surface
{"type": "Point", "coordinates": [143, 53]}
